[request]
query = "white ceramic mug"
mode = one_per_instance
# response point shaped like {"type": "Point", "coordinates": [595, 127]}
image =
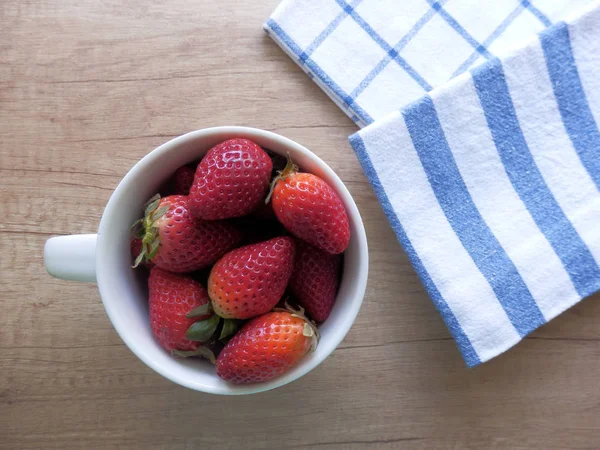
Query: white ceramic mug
{"type": "Point", "coordinates": [105, 258]}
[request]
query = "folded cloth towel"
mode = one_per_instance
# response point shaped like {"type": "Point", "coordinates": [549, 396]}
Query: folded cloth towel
{"type": "Point", "coordinates": [492, 182]}
{"type": "Point", "coordinates": [376, 56]}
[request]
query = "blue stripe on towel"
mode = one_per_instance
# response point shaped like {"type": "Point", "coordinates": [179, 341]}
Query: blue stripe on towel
{"type": "Point", "coordinates": [572, 102]}
{"type": "Point", "coordinates": [397, 48]}
{"type": "Point", "coordinates": [342, 96]}
{"type": "Point", "coordinates": [464, 344]}
{"type": "Point", "coordinates": [491, 38]}
{"type": "Point", "coordinates": [385, 46]}
{"type": "Point", "coordinates": [527, 180]}
{"type": "Point", "coordinates": [327, 31]}
{"type": "Point", "coordinates": [464, 217]}
{"type": "Point", "coordinates": [537, 13]}
{"type": "Point", "coordinates": [459, 28]}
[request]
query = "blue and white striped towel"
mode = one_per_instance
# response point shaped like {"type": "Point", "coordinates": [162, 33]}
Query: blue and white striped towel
{"type": "Point", "coordinates": [491, 184]}
{"type": "Point", "coordinates": [376, 56]}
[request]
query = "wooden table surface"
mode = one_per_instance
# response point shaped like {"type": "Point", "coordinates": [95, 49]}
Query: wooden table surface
{"type": "Point", "coordinates": [87, 88]}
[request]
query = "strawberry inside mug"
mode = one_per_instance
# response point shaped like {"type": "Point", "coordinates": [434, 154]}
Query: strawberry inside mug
{"type": "Point", "coordinates": [272, 242]}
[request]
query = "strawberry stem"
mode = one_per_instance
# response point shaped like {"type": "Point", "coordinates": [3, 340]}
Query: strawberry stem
{"type": "Point", "coordinates": [289, 169]}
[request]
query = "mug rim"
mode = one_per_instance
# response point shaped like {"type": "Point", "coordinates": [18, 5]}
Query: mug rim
{"type": "Point", "coordinates": [350, 311]}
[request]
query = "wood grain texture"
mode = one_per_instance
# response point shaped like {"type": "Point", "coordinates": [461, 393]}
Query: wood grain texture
{"type": "Point", "coordinates": [88, 87]}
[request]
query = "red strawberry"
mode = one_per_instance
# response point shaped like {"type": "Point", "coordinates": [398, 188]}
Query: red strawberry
{"type": "Point", "coordinates": [172, 296]}
{"type": "Point", "coordinates": [311, 210]}
{"type": "Point", "coordinates": [173, 241]}
{"type": "Point", "coordinates": [266, 347]}
{"type": "Point", "coordinates": [315, 280]}
{"type": "Point", "coordinates": [181, 181]}
{"type": "Point", "coordinates": [231, 180]}
{"type": "Point", "coordinates": [250, 280]}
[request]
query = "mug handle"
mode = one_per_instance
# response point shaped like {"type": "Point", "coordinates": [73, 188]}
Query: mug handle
{"type": "Point", "coordinates": [71, 257]}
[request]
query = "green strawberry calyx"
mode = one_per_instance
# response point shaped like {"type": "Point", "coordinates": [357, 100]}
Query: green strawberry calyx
{"type": "Point", "coordinates": [205, 328]}
{"type": "Point", "coordinates": [310, 328]}
{"type": "Point", "coordinates": [289, 170]}
{"type": "Point", "coordinates": [200, 351]}
{"type": "Point", "coordinates": [202, 330]}
{"type": "Point", "coordinates": [146, 229]}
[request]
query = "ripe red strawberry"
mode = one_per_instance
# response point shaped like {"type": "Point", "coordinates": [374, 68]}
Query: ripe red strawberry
{"type": "Point", "coordinates": [230, 181]}
{"type": "Point", "coordinates": [266, 347]}
{"type": "Point", "coordinates": [181, 181]}
{"type": "Point", "coordinates": [173, 241]}
{"type": "Point", "coordinates": [315, 280]}
{"type": "Point", "coordinates": [172, 296]}
{"type": "Point", "coordinates": [311, 210]}
{"type": "Point", "coordinates": [250, 280]}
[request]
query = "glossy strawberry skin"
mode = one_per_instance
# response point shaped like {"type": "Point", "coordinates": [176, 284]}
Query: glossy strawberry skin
{"type": "Point", "coordinates": [181, 181]}
{"type": "Point", "coordinates": [311, 210]}
{"type": "Point", "coordinates": [230, 181]}
{"type": "Point", "coordinates": [172, 296]}
{"type": "Point", "coordinates": [315, 280]}
{"type": "Point", "coordinates": [264, 348]}
{"type": "Point", "coordinates": [186, 244]}
{"type": "Point", "coordinates": [250, 280]}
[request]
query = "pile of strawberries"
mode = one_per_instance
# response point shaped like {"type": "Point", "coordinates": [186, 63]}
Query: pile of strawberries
{"type": "Point", "coordinates": [256, 237]}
